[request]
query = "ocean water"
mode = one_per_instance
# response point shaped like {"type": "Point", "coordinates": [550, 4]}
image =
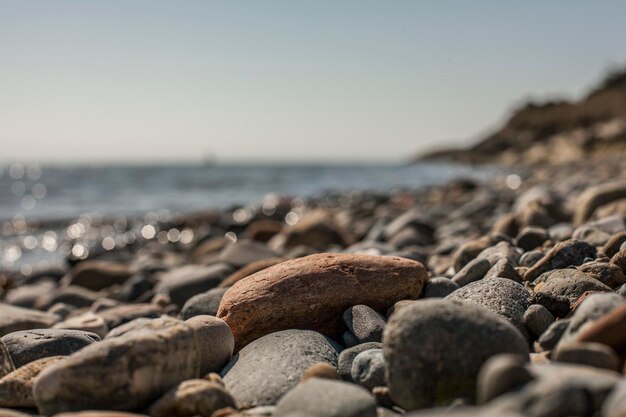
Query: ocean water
{"type": "Point", "coordinates": [50, 213]}
{"type": "Point", "coordinates": [65, 192]}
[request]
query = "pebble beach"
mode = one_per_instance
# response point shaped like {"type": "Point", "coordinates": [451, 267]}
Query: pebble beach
{"type": "Point", "coordinates": [501, 297]}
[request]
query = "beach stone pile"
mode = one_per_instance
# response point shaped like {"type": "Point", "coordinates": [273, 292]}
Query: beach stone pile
{"type": "Point", "coordinates": [465, 299]}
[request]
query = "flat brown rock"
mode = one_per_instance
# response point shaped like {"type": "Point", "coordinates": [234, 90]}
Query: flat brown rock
{"type": "Point", "coordinates": [312, 293]}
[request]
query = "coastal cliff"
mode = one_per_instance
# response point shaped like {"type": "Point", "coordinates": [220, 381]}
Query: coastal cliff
{"type": "Point", "coordinates": [555, 132]}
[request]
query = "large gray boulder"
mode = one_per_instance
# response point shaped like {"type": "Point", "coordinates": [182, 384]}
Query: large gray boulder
{"type": "Point", "coordinates": [263, 371]}
{"type": "Point", "coordinates": [434, 349]}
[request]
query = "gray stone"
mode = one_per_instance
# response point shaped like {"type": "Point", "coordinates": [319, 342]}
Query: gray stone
{"type": "Point", "coordinates": [118, 315]}
{"type": "Point", "coordinates": [245, 251]}
{"type": "Point", "coordinates": [364, 323]}
{"type": "Point", "coordinates": [264, 370]}
{"type": "Point", "coordinates": [130, 372]}
{"type": "Point", "coordinates": [472, 271]}
{"type": "Point", "coordinates": [204, 303]}
{"type": "Point", "coordinates": [504, 268]}
{"type": "Point", "coordinates": [615, 404]}
{"type": "Point", "coordinates": [368, 369]}
{"type": "Point", "coordinates": [549, 339]}
{"type": "Point", "coordinates": [502, 374]}
{"type": "Point", "coordinates": [531, 237]}
{"type": "Point", "coordinates": [529, 259]}
{"type": "Point", "coordinates": [590, 310]}
{"type": "Point", "coordinates": [13, 319]}
{"type": "Point", "coordinates": [563, 255]}
{"type": "Point", "coordinates": [587, 353]}
{"type": "Point", "coordinates": [346, 358]}
{"type": "Point", "coordinates": [425, 364]}
{"type": "Point", "coordinates": [326, 398]}
{"type": "Point", "coordinates": [569, 283]}
{"type": "Point", "coordinates": [182, 283]}
{"type": "Point", "coordinates": [29, 345]}
{"type": "Point", "coordinates": [500, 295]}
{"type": "Point", "coordinates": [87, 322]}
{"type": "Point", "coordinates": [72, 295]}
{"type": "Point", "coordinates": [537, 319]}
{"type": "Point", "coordinates": [439, 287]}
{"type": "Point", "coordinates": [501, 250]}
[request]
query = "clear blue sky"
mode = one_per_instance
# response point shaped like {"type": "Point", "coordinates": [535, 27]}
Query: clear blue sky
{"type": "Point", "coordinates": [287, 80]}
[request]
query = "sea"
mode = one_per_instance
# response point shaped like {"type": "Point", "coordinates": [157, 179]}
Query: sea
{"type": "Point", "coordinates": [62, 199]}
{"type": "Point", "coordinates": [54, 192]}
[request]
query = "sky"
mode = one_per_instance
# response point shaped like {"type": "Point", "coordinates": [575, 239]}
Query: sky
{"type": "Point", "coordinates": [292, 81]}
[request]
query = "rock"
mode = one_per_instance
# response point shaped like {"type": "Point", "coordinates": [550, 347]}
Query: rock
{"type": "Point", "coordinates": [499, 251]}
{"type": "Point", "coordinates": [61, 309]}
{"type": "Point", "coordinates": [558, 305]}
{"type": "Point", "coordinates": [136, 287]}
{"type": "Point", "coordinates": [439, 287]}
{"type": "Point", "coordinates": [531, 237]}
{"type": "Point", "coordinates": [364, 323]}
{"type": "Point", "coordinates": [529, 259]}
{"type": "Point", "coordinates": [250, 269]}
{"type": "Point", "coordinates": [99, 414]}
{"type": "Point", "coordinates": [290, 294]}
{"type": "Point", "coordinates": [501, 374]}
{"type": "Point", "coordinates": [504, 268]}
{"type": "Point", "coordinates": [537, 319]}
{"type": "Point", "coordinates": [202, 304]}
{"type": "Point", "coordinates": [586, 353]}
{"type": "Point", "coordinates": [549, 339]}
{"type": "Point", "coordinates": [215, 342]}
{"type": "Point", "coordinates": [244, 252]}
{"type": "Point", "coordinates": [569, 283]}
{"type": "Point", "coordinates": [592, 235]}
{"type": "Point", "coordinates": [263, 371]}
{"type": "Point", "coordinates": [29, 345]}
{"type": "Point", "coordinates": [86, 322]}
{"type": "Point", "coordinates": [6, 363]}
{"type": "Point", "coordinates": [27, 295]}
{"type": "Point", "coordinates": [612, 246]}
{"type": "Point", "coordinates": [97, 275]}
{"type": "Point", "coordinates": [561, 231]}
{"type": "Point", "coordinates": [566, 390]}
{"type": "Point", "coordinates": [325, 398]}
{"type": "Point", "coordinates": [619, 259]}
{"type": "Point", "coordinates": [610, 329]}
{"type": "Point", "coordinates": [263, 230]}
{"type": "Point", "coordinates": [470, 250]}
{"type": "Point", "coordinates": [595, 197]}
{"type": "Point", "coordinates": [615, 404]}
{"type": "Point", "coordinates": [500, 295]}
{"type": "Point", "coordinates": [421, 346]}
{"type": "Point", "coordinates": [320, 370]}
{"type": "Point", "coordinates": [124, 313]}
{"type": "Point", "coordinates": [609, 274]}
{"type": "Point", "coordinates": [130, 372]}
{"type": "Point", "coordinates": [591, 309]}
{"type": "Point", "coordinates": [472, 271]}
{"type": "Point", "coordinates": [72, 295]}
{"type": "Point", "coordinates": [346, 358]}
{"type": "Point", "coordinates": [182, 283]}
{"type": "Point", "coordinates": [317, 230]}
{"type": "Point", "coordinates": [368, 369]}
{"type": "Point", "coordinates": [562, 255]}
{"type": "Point", "coordinates": [13, 319]}
{"type": "Point", "coordinates": [194, 397]}
{"type": "Point", "coordinates": [16, 388]}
